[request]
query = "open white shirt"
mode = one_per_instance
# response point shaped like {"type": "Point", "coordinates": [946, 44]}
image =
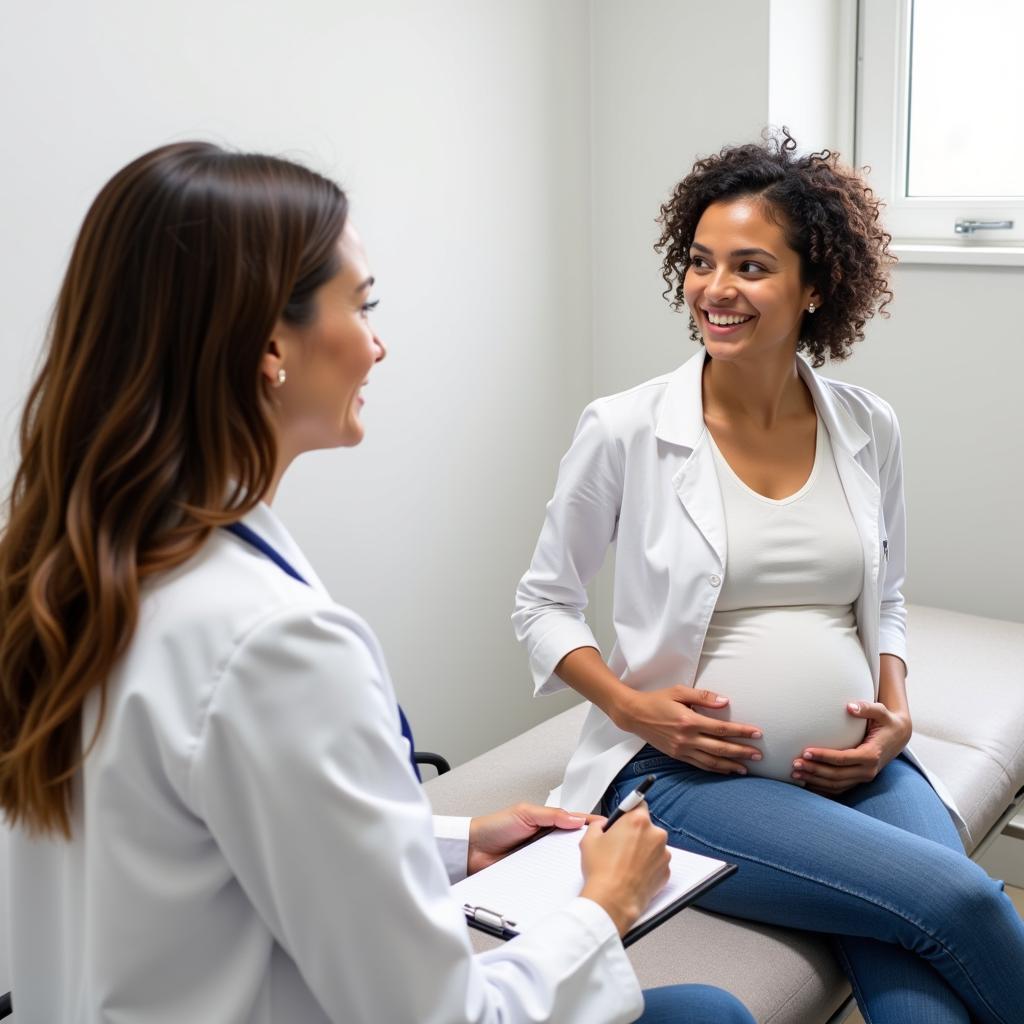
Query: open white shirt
{"type": "Point", "coordinates": [640, 474]}
{"type": "Point", "coordinates": [251, 846]}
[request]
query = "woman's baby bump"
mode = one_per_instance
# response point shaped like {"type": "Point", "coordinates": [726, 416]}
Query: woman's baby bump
{"type": "Point", "coordinates": [790, 671]}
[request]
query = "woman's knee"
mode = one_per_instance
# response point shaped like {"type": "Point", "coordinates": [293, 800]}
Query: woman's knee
{"type": "Point", "coordinates": [969, 895]}
{"type": "Point", "coordinates": [956, 901]}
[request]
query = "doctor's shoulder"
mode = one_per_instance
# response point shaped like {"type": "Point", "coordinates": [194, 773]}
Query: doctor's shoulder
{"type": "Point", "coordinates": [226, 598]}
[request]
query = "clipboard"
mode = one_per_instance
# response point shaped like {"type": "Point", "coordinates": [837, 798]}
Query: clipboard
{"type": "Point", "coordinates": [545, 873]}
{"type": "Point", "coordinates": [638, 931]}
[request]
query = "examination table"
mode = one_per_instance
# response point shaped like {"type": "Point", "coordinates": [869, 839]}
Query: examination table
{"type": "Point", "coordinates": [966, 687]}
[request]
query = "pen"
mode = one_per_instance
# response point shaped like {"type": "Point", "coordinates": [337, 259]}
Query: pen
{"type": "Point", "coordinates": [628, 803]}
{"type": "Point", "coordinates": [490, 922]}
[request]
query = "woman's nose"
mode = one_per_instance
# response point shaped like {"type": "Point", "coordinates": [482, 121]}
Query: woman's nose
{"type": "Point", "coordinates": [721, 285]}
{"type": "Point", "coordinates": [382, 349]}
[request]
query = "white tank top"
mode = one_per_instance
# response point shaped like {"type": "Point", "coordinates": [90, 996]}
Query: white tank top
{"type": "Point", "coordinates": [782, 643]}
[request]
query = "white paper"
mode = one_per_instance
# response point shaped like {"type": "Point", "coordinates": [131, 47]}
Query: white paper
{"type": "Point", "coordinates": [532, 882]}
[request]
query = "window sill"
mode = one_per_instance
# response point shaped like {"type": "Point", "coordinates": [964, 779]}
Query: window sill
{"type": "Point", "coordinates": [968, 255]}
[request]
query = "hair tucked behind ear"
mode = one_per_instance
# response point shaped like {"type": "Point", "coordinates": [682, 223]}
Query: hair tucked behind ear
{"type": "Point", "coordinates": [147, 426]}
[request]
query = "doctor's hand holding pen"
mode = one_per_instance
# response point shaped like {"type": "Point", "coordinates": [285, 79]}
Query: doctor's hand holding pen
{"type": "Point", "coordinates": [623, 867]}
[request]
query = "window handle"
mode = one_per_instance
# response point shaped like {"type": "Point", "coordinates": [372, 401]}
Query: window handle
{"type": "Point", "coordinates": [968, 227]}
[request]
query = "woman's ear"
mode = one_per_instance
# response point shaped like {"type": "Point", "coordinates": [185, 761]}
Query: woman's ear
{"type": "Point", "coordinates": [272, 364]}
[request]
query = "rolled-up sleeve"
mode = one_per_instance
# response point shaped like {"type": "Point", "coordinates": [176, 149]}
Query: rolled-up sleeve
{"type": "Point", "coordinates": [579, 525]}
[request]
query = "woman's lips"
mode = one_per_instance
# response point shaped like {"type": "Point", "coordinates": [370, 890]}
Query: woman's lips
{"type": "Point", "coordinates": [726, 329]}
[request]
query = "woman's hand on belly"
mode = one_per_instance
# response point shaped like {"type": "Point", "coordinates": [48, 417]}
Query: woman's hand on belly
{"type": "Point", "coordinates": [831, 772]}
{"type": "Point", "coordinates": [667, 720]}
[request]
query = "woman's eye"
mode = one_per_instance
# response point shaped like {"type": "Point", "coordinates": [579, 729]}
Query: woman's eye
{"type": "Point", "coordinates": [368, 307]}
{"type": "Point", "coordinates": [699, 262]}
{"type": "Point", "coordinates": [748, 267]}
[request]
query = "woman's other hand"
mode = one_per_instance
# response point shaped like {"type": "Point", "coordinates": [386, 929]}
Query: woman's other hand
{"type": "Point", "coordinates": [666, 719]}
{"type": "Point", "coordinates": [831, 772]}
{"type": "Point", "coordinates": [492, 836]}
{"type": "Point", "coordinates": [624, 867]}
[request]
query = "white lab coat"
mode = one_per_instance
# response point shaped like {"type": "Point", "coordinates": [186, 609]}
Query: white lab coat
{"type": "Point", "coordinates": [250, 845]}
{"type": "Point", "coordinates": [640, 474]}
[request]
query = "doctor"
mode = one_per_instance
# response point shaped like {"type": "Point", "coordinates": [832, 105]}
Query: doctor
{"type": "Point", "coordinates": [760, 657]}
{"type": "Point", "coordinates": [215, 814]}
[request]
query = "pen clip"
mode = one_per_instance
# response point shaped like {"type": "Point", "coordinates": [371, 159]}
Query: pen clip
{"type": "Point", "coordinates": [490, 918]}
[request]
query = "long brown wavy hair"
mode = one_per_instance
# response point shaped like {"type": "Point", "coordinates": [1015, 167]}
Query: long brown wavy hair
{"type": "Point", "coordinates": [147, 426]}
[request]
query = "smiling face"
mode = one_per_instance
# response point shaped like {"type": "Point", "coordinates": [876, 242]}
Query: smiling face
{"type": "Point", "coordinates": [327, 362]}
{"type": "Point", "coordinates": [743, 284]}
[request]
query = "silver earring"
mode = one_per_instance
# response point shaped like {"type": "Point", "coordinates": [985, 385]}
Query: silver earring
{"type": "Point", "coordinates": [810, 309]}
{"type": "Point", "coordinates": [281, 377]}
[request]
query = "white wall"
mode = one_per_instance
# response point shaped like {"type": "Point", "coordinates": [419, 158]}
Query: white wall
{"type": "Point", "coordinates": [950, 360]}
{"type": "Point", "coordinates": [812, 56]}
{"type": "Point", "coordinates": [662, 95]}
{"type": "Point", "coordinates": [461, 130]}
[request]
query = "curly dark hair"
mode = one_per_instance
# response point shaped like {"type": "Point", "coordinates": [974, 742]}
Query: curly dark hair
{"type": "Point", "coordinates": [830, 218]}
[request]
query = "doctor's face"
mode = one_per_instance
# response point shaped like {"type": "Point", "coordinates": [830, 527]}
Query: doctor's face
{"type": "Point", "coordinates": [743, 285]}
{"type": "Point", "coordinates": [328, 362]}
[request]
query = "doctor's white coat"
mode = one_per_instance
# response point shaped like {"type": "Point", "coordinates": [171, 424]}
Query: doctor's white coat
{"type": "Point", "coordinates": [640, 474]}
{"type": "Point", "coordinates": [251, 847]}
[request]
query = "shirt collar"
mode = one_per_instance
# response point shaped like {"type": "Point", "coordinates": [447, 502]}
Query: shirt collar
{"type": "Point", "coordinates": [263, 520]}
{"type": "Point", "coordinates": [681, 420]}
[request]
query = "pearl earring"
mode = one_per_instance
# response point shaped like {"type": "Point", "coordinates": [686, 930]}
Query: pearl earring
{"type": "Point", "coordinates": [811, 308]}
{"type": "Point", "coordinates": [281, 377]}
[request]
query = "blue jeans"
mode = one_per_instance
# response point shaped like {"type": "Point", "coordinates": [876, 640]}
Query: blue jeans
{"type": "Point", "coordinates": [692, 1004]}
{"type": "Point", "coordinates": [925, 936]}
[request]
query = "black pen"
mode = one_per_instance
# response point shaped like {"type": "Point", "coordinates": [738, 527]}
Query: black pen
{"type": "Point", "coordinates": [628, 803]}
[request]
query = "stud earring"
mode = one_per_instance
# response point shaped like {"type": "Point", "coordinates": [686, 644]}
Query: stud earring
{"type": "Point", "coordinates": [810, 309]}
{"type": "Point", "coordinates": [281, 377]}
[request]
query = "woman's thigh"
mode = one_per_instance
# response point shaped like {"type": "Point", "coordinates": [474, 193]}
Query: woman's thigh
{"type": "Point", "coordinates": [902, 796]}
{"type": "Point", "coordinates": [806, 861]}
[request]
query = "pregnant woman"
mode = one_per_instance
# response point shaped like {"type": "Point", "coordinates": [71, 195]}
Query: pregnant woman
{"type": "Point", "coordinates": [760, 658]}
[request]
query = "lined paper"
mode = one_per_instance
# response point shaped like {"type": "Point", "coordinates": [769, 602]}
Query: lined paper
{"type": "Point", "coordinates": [532, 882]}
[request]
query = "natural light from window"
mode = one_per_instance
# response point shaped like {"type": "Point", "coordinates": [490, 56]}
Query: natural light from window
{"type": "Point", "coordinates": [966, 99]}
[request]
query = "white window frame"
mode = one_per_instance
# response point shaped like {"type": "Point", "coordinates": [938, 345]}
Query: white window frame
{"type": "Point", "coordinates": [922, 228]}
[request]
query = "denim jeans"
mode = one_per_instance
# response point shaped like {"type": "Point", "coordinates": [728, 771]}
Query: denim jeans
{"type": "Point", "coordinates": [692, 1004]}
{"type": "Point", "coordinates": [925, 936]}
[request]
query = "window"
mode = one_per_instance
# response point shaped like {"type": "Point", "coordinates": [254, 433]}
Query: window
{"type": "Point", "coordinates": [939, 100]}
